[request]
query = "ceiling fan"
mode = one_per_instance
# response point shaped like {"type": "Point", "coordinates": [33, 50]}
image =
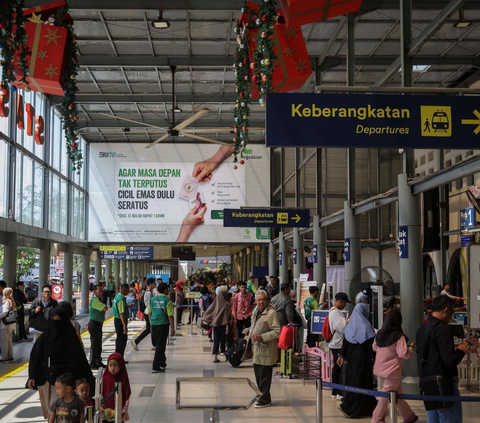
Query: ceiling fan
{"type": "Point", "coordinates": [180, 129]}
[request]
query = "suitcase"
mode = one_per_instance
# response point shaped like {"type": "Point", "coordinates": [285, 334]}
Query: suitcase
{"type": "Point", "coordinates": [234, 354]}
{"type": "Point", "coordinates": [286, 363]}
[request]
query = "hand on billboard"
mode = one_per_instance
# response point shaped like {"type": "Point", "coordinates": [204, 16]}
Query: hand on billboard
{"type": "Point", "coordinates": [193, 219]}
{"type": "Point", "coordinates": [202, 171]}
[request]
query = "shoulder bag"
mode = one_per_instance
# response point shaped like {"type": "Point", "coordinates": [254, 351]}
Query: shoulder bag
{"type": "Point", "coordinates": [10, 318]}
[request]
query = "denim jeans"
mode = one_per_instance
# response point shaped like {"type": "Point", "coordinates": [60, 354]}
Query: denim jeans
{"type": "Point", "coordinates": [448, 415]}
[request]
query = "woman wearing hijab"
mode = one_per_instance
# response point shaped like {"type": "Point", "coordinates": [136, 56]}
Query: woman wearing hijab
{"type": "Point", "coordinates": [7, 305]}
{"type": "Point", "coordinates": [218, 316]}
{"type": "Point", "coordinates": [56, 352]}
{"type": "Point", "coordinates": [391, 347]}
{"type": "Point", "coordinates": [357, 350]}
{"type": "Point", "coordinates": [115, 372]}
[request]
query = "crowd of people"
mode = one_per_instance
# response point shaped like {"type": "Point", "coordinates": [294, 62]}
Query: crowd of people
{"type": "Point", "coordinates": [62, 375]}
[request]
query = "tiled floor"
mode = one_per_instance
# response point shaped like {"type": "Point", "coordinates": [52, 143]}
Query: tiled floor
{"type": "Point", "coordinates": [153, 395]}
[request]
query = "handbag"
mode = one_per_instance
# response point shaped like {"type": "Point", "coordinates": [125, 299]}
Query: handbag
{"type": "Point", "coordinates": [287, 336]}
{"type": "Point", "coordinates": [437, 385]}
{"type": "Point", "coordinates": [10, 318]}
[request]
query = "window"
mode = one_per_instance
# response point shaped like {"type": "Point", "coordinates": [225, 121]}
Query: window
{"type": "Point", "coordinates": [430, 156]}
{"type": "Point", "coordinates": [54, 211]}
{"type": "Point", "coordinates": [63, 206]}
{"type": "Point", "coordinates": [4, 157]}
{"type": "Point", "coordinates": [38, 196]}
{"type": "Point", "coordinates": [422, 160]}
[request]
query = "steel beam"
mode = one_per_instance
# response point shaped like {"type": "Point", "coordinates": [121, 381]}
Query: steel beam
{"type": "Point", "coordinates": [235, 5]}
{"type": "Point", "coordinates": [414, 46]}
{"type": "Point", "coordinates": [333, 37]}
{"type": "Point", "coordinates": [112, 123]}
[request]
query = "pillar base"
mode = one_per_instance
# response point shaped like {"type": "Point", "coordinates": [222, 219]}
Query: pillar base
{"type": "Point", "coordinates": [83, 311]}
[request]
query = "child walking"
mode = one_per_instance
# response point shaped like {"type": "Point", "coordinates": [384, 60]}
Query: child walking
{"type": "Point", "coordinates": [67, 408]}
{"type": "Point", "coordinates": [115, 372]}
{"type": "Point", "coordinates": [82, 388]}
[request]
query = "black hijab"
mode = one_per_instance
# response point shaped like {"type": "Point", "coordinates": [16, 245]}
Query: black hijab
{"type": "Point", "coordinates": [58, 351]}
{"type": "Point", "coordinates": [391, 330]}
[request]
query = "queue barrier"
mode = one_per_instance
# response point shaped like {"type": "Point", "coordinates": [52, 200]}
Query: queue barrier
{"type": "Point", "coordinates": [392, 397]}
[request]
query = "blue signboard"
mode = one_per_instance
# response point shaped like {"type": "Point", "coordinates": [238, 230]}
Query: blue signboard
{"type": "Point", "coordinates": [318, 317]}
{"type": "Point", "coordinates": [372, 121]}
{"type": "Point", "coordinates": [140, 252]}
{"type": "Point", "coordinates": [467, 239]}
{"type": "Point", "coordinates": [251, 218]}
{"type": "Point", "coordinates": [403, 242]}
{"type": "Point", "coordinates": [295, 256]}
{"type": "Point", "coordinates": [346, 248]}
{"type": "Point", "coordinates": [315, 254]}
{"type": "Point", "coordinates": [468, 218]}
{"type": "Point", "coordinates": [280, 258]}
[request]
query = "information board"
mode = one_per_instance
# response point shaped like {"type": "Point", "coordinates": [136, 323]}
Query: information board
{"type": "Point", "coordinates": [403, 242]}
{"type": "Point", "coordinates": [468, 218]}
{"type": "Point", "coordinates": [318, 317]}
{"type": "Point", "coordinates": [346, 248]}
{"type": "Point", "coordinates": [140, 252]}
{"type": "Point", "coordinates": [372, 121]}
{"type": "Point", "coordinates": [252, 218]}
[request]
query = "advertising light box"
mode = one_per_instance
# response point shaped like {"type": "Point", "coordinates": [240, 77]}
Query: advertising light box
{"type": "Point", "coordinates": [151, 195]}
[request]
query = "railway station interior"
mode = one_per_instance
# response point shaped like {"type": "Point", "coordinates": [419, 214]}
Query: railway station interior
{"type": "Point", "coordinates": [324, 143]}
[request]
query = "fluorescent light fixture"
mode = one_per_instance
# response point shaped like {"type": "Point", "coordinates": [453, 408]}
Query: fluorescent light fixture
{"type": "Point", "coordinates": [176, 109]}
{"type": "Point", "coordinates": [160, 23]}
{"type": "Point", "coordinates": [462, 22]}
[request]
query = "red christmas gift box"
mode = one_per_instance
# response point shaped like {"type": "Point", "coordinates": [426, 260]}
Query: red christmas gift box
{"type": "Point", "coordinates": [293, 67]}
{"type": "Point", "coordinates": [46, 10]}
{"type": "Point", "coordinates": [301, 12]}
{"type": "Point", "coordinates": [47, 60]}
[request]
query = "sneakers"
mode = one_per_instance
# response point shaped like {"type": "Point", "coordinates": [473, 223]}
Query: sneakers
{"type": "Point", "coordinates": [262, 405]}
{"type": "Point", "coordinates": [339, 397]}
{"type": "Point", "coordinates": [159, 370]}
{"type": "Point", "coordinates": [134, 346]}
{"type": "Point", "coordinates": [334, 396]}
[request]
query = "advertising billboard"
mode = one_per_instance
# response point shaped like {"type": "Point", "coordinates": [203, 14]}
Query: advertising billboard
{"type": "Point", "coordinates": [152, 195]}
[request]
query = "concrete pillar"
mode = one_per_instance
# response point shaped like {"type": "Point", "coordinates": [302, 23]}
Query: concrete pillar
{"type": "Point", "coordinates": [130, 271]}
{"type": "Point", "coordinates": [44, 266]}
{"type": "Point", "coordinates": [116, 274]}
{"type": "Point", "coordinates": [68, 274]}
{"type": "Point", "coordinates": [352, 249]}
{"type": "Point", "coordinates": [272, 259]}
{"type": "Point", "coordinates": [98, 268]}
{"type": "Point", "coordinates": [248, 267]}
{"type": "Point", "coordinates": [256, 255]}
{"type": "Point", "coordinates": [264, 256]}
{"type": "Point", "coordinates": [298, 264]}
{"type": "Point", "coordinates": [241, 256]}
{"type": "Point", "coordinates": [320, 244]}
{"type": "Point", "coordinates": [10, 260]}
{"type": "Point", "coordinates": [85, 284]}
{"type": "Point", "coordinates": [123, 271]}
{"type": "Point", "coordinates": [234, 267]}
{"type": "Point", "coordinates": [145, 269]}
{"type": "Point", "coordinates": [411, 279]}
{"type": "Point", "coordinates": [108, 269]}
{"type": "Point", "coordinates": [283, 265]}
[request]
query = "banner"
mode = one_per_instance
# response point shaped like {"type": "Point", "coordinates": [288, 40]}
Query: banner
{"type": "Point", "coordinates": [151, 195]}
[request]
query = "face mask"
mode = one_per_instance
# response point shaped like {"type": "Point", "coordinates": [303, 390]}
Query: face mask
{"type": "Point", "coordinates": [397, 305]}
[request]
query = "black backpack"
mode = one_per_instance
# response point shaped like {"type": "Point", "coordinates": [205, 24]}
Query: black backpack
{"type": "Point", "coordinates": [141, 303]}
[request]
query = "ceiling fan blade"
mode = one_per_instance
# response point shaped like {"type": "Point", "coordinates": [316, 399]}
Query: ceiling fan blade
{"type": "Point", "coordinates": [198, 137]}
{"type": "Point", "coordinates": [157, 141]}
{"type": "Point", "coordinates": [209, 130]}
{"type": "Point", "coordinates": [191, 119]}
{"type": "Point", "coordinates": [133, 121]}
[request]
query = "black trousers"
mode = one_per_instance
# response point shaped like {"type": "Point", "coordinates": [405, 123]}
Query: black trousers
{"type": "Point", "coordinates": [336, 372]}
{"type": "Point", "coordinates": [145, 333]}
{"type": "Point", "coordinates": [312, 338]}
{"type": "Point", "coordinates": [263, 377]}
{"type": "Point", "coordinates": [122, 338]}
{"type": "Point", "coordinates": [160, 333]}
{"type": "Point", "coordinates": [21, 324]}
{"type": "Point", "coordinates": [95, 330]}
{"type": "Point", "coordinates": [243, 324]}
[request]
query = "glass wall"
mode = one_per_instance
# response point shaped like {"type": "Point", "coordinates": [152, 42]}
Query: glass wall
{"type": "Point", "coordinates": [47, 193]}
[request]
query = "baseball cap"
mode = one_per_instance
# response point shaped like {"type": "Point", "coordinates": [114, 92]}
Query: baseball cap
{"type": "Point", "coordinates": [341, 296]}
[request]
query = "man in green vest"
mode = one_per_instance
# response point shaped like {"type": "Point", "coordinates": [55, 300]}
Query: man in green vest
{"type": "Point", "coordinates": [97, 316]}
{"type": "Point", "coordinates": [251, 285]}
{"type": "Point", "coordinates": [160, 309]}
{"type": "Point", "coordinates": [309, 305]}
{"type": "Point", "coordinates": [120, 314]}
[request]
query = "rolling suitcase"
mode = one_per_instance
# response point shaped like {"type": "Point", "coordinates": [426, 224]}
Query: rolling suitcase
{"type": "Point", "coordinates": [286, 363]}
{"type": "Point", "coordinates": [286, 354]}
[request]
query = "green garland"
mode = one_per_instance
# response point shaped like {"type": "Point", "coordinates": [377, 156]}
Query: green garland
{"type": "Point", "coordinates": [13, 42]}
{"type": "Point", "coordinates": [69, 108]}
{"type": "Point", "coordinates": [257, 72]}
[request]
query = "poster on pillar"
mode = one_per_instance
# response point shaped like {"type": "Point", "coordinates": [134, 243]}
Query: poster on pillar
{"type": "Point", "coordinates": [346, 249]}
{"type": "Point", "coordinates": [315, 254]}
{"type": "Point", "coordinates": [174, 192]}
{"type": "Point", "coordinates": [280, 258]}
{"type": "Point", "coordinates": [403, 242]}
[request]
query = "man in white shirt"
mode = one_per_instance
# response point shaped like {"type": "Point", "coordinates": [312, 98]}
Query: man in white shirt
{"type": "Point", "coordinates": [151, 285]}
{"type": "Point", "coordinates": [337, 323]}
{"type": "Point", "coordinates": [446, 291]}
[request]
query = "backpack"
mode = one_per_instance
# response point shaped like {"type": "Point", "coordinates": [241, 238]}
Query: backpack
{"type": "Point", "coordinates": [326, 332]}
{"type": "Point", "coordinates": [141, 303]}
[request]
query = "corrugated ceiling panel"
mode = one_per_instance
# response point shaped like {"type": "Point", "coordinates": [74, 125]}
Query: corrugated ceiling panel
{"type": "Point", "coordinates": [336, 171]}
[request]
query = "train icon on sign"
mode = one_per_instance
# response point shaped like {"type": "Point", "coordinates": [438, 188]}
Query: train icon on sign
{"type": "Point", "coordinates": [440, 122]}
